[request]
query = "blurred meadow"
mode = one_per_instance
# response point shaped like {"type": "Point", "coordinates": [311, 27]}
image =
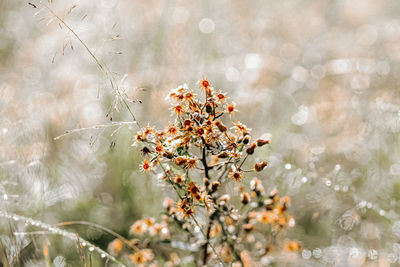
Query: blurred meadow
{"type": "Point", "coordinates": [316, 77]}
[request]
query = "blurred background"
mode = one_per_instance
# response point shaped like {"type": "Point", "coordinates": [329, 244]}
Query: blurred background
{"type": "Point", "coordinates": [317, 77]}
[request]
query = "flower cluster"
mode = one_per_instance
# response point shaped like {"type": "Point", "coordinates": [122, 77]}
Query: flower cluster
{"type": "Point", "coordinates": [198, 154]}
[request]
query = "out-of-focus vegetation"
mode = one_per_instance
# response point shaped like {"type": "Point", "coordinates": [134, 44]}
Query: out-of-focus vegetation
{"type": "Point", "coordinates": [318, 78]}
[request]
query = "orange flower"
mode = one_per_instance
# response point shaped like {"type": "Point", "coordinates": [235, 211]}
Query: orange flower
{"type": "Point", "coordinates": [140, 137]}
{"type": "Point", "coordinates": [189, 96]}
{"type": "Point", "coordinates": [184, 208]}
{"type": "Point", "coordinates": [181, 205]}
{"type": "Point", "coordinates": [160, 135]}
{"type": "Point", "coordinates": [240, 128]}
{"type": "Point", "coordinates": [138, 228]}
{"type": "Point", "coordinates": [204, 84]}
{"type": "Point", "coordinates": [215, 230]}
{"type": "Point", "coordinates": [194, 191]}
{"type": "Point", "coordinates": [115, 247]}
{"type": "Point", "coordinates": [179, 179]}
{"type": "Point", "coordinates": [221, 96]}
{"type": "Point", "coordinates": [159, 148]}
{"type": "Point", "coordinates": [148, 130]}
{"type": "Point", "coordinates": [191, 163]}
{"type": "Point", "coordinates": [236, 175]}
{"type": "Point", "coordinates": [199, 131]}
{"type": "Point", "coordinates": [146, 165]}
{"type": "Point", "coordinates": [267, 217]}
{"type": "Point", "coordinates": [172, 130]}
{"type": "Point", "coordinates": [178, 109]}
{"type": "Point", "coordinates": [180, 161]}
{"type": "Point", "coordinates": [189, 212]}
{"type": "Point", "coordinates": [142, 256]}
{"type": "Point", "coordinates": [292, 246]}
{"type": "Point", "coordinates": [231, 108]}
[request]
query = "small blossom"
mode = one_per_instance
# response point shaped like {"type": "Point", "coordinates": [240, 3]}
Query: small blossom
{"type": "Point", "coordinates": [179, 179]}
{"type": "Point", "coordinates": [240, 128]}
{"type": "Point", "coordinates": [138, 228]}
{"type": "Point", "coordinates": [189, 212]}
{"type": "Point", "coordinates": [146, 165]}
{"type": "Point", "coordinates": [236, 175]}
{"type": "Point", "coordinates": [115, 247]}
{"type": "Point", "coordinates": [292, 246]}
{"type": "Point", "coordinates": [221, 96]}
{"type": "Point", "coordinates": [231, 108]}
{"type": "Point", "coordinates": [178, 109]}
{"type": "Point", "coordinates": [142, 256]}
{"type": "Point", "coordinates": [194, 191]}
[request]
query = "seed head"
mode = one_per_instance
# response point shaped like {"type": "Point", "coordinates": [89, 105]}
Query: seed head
{"type": "Point", "coordinates": [261, 142]}
{"type": "Point", "coordinates": [260, 166]}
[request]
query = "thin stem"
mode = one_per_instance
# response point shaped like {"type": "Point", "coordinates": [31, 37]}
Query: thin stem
{"type": "Point", "coordinates": [194, 219]}
{"type": "Point", "coordinates": [80, 40]}
{"type": "Point", "coordinates": [207, 240]}
{"type": "Point", "coordinates": [206, 244]}
{"type": "Point", "coordinates": [169, 179]}
{"type": "Point", "coordinates": [101, 67]}
{"type": "Point", "coordinates": [97, 226]}
{"type": "Point", "coordinates": [99, 126]}
{"type": "Point", "coordinates": [243, 161]}
{"type": "Point", "coordinates": [204, 160]}
{"type": "Point", "coordinates": [229, 241]}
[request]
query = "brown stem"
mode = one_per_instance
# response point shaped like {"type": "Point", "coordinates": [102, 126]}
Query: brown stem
{"type": "Point", "coordinates": [204, 160]}
{"type": "Point", "coordinates": [206, 244]}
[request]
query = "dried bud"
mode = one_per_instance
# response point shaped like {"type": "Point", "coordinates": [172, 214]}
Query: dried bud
{"type": "Point", "coordinates": [168, 203]}
{"type": "Point", "coordinates": [223, 200]}
{"type": "Point", "coordinates": [256, 186]}
{"type": "Point", "coordinates": [180, 161]}
{"type": "Point", "coordinates": [214, 186]}
{"type": "Point", "coordinates": [244, 198]}
{"type": "Point", "coordinates": [248, 227]}
{"type": "Point", "coordinates": [168, 155]}
{"type": "Point", "coordinates": [223, 155]}
{"type": "Point", "coordinates": [246, 139]}
{"type": "Point", "coordinates": [260, 166]}
{"type": "Point", "coordinates": [209, 108]}
{"type": "Point", "coordinates": [220, 126]}
{"type": "Point", "coordinates": [273, 194]}
{"type": "Point", "coordinates": [251, 148]}
{"type": "Point", "coordinates": [145, 150]}
{"type": "Point", "coordinates": [206, 182]}
{"type": "Point", "coordinates": [269, 204]}
{"type": "Point", "coordinates": [261, 142]}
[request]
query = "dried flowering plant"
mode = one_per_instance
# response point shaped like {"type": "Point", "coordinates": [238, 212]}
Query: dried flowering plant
{"type": "Point", "coordinates": [199, 156]}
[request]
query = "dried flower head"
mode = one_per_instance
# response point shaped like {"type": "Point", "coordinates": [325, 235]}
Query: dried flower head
{"type": "Point", "coordinates": [199, 155]}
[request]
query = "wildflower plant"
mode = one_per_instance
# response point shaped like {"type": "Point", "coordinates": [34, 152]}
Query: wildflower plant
{"type": "Point", "coordinates": [201, 154]}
